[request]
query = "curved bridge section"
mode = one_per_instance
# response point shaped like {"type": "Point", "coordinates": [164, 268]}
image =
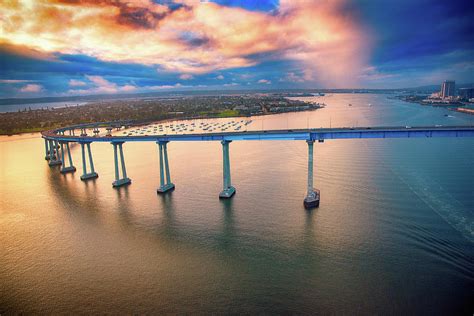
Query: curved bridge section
{"type": "Point", "coordinates": [57, 150]}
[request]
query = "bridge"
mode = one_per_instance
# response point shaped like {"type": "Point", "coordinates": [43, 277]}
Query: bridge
{"type": "Point", "coordinates": [57, 147]}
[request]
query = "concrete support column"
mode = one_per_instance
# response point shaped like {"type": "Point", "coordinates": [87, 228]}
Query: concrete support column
{"type": "Point", "coordinates": [54, 153]}
{"type": "Point", "coordinates": [46, 149]}
{"type": "Point", "coordinates": [124, 170]}
{"type": "Point", "coordinates": [51, 150]}
{"type": "Point", "coordinates": [310, 166]}
{"type": "Point", "coordinates": [69, 153]}
{"type": "Point", "coordinates": [167, 167]}
{"type": "Point", "coordinates": [83, 155]}
{"type": "Point", "coordinates": [92, 174]}
{"type": "Point", "coordinates": [162, 176]}
{"type": "Point", "coordinates": [116, 162]}
{"type": "Point", "coordinates": [62, 154]}
{"type": "Point", "coordinates": [91, 162]}
{"type": "Point", "coordinates": [124, 180]}
{"type": "Point", "coordinates": [164, 169]}
{"type": "Point", "coordinates": [227, 189]}
{"type": "Point", "coordinates": [65, 169]}
{"type": "Point", "coordinates": [312, 195]}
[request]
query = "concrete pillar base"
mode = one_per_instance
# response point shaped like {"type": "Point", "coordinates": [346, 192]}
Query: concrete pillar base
{"type": "Point", "coordinates": [312, 200]}
{"type": "Point", "coordinates": [89, 176]}
{"type": "Point", "coordinates": [120, 182]}
{"type": "Point", "coordinates": [165, 188]}
{"type": "Point", "coordinates": [54, 162]}
{"type": "Point", "coordinates": [68, 169]}
{"type": "Point", "coordinates": [227, 193]}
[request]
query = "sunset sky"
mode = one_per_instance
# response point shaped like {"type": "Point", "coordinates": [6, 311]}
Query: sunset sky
{"type": "Point", "coordinates": [81, 47]}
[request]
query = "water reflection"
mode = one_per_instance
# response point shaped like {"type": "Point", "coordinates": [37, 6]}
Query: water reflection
{"type": "Point", "coordinates": [169, 224]}
{"type": "Point", "coordinates": [226, 240]}
{"type": "Point", "coordinates": [70, 245]}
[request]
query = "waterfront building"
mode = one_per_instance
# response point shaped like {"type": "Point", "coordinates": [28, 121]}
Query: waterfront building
{"type": "Point", "coordinates": [466, 93]}
{"type": "Point", "coordinates": [447, 88]}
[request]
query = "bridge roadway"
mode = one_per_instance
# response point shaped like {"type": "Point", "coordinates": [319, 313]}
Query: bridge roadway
{"type": "Point", "coordinates": [57, 140]}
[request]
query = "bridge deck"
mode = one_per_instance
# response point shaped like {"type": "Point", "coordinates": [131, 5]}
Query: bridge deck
{"type": "Point", "coordinates": [292, 134]}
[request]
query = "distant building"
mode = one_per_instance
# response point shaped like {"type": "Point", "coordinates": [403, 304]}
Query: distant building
{"type": "Point", "coordinates": [447, 88]}
{"type": "Point", "coordinates": [466, 93]}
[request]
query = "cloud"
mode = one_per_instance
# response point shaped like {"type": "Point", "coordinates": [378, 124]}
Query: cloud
{"type": "Point", "coordinates": [186, 77]}
{"type": "Point", "coordinates": [101, 85]}
{"type": "Point", "coordinates": [371, 73]}
{"type": "Point", "coordinates": [220, 77]}
{"type": "Point", "coordinates": [164, 87]}
{"type": "Point", "coordinates": [76, 83]}
{"type": "Point", "coordinates": [31, 88]}
{"type": "Point", "coordinates": [292, 77]}
{"type": "Point", "coordinates": [264, 81]}
{"type": "Point", "coordinates": [246, 76]}
{"type": "Point", "coordinates": [128, 88]}
{"type": "Point", "coordinates": [14, 81]}
{"type": "Point", "coordinates": [193, 37]}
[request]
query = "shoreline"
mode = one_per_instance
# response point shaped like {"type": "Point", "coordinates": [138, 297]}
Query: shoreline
{"type": "Point", "coordinates": [164, 120]}
{"type": "Point", "coordinates": [12, 123]}
{"type": "Point", "coordinates": [461, 107]}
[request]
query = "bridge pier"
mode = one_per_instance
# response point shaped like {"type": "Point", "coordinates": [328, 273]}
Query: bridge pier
{"type": "Point", "coordinates": [91, 175]}
{"type": "Point", "coordinates": [46, 149]}
{"type": "Point", "coordinates": [71, 167]}
{"type": "Point", "coordinates": [228, 190]}
{"type": "Point", "coordinates": [164, 169]}
{"type": "Point", "coordinates": [312, 196]}
{"type": "Point", "coordinates": [54, 153]}
{"type": "Point", "coordinates": [119, 181]}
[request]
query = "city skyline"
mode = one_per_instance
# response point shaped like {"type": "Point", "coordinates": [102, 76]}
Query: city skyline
{"type": "Point", "coordinates": [63, 48]}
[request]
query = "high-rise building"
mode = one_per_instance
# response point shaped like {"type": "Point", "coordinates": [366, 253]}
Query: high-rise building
{"type": "Point", "coordinates": [447, 88]}
{"type": "Point", "coordinates": [466, 93]}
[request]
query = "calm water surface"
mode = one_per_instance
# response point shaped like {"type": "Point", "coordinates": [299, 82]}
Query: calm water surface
{"type": "Point", "coordinates": [394, 232]}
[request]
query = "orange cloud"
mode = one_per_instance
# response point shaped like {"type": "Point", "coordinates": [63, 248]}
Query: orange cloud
{"type": "Point", "coordinates": [198, 37]}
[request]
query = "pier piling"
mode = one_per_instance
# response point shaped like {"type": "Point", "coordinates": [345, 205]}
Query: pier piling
{"type": "Point", "coordinates": [124, 180]}
{"type": "Point", "coordinates": [312, 195]}
{"type": "Point", "coordinates": [92, 174]}
{"type": "Point", "coordinates": [167, 185]}
{"type": "Point", "coordinates": [228, 190]}
{"type": "Point", "coordinates": [71, 167]}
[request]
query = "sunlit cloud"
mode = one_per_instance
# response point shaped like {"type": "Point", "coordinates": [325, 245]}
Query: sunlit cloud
{"type": "Point", "coordinates": [194, 38]}
{"type": "Point", "coordinates": [100, 86]}
{"type": "Point", "coordinates": [164, 87]}
{"type": "Point", "coordinates": [13, 81]}
{"type": "Point", "coordinates": [264, 81]}
{"type": "Point", "coordinates": [31, 88]}
{"type": "Point", "coordinates": [76, 83]}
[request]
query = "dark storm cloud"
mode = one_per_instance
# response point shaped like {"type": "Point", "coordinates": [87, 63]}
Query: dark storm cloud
{"type": "Point", "coordinates": [136, 15]}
